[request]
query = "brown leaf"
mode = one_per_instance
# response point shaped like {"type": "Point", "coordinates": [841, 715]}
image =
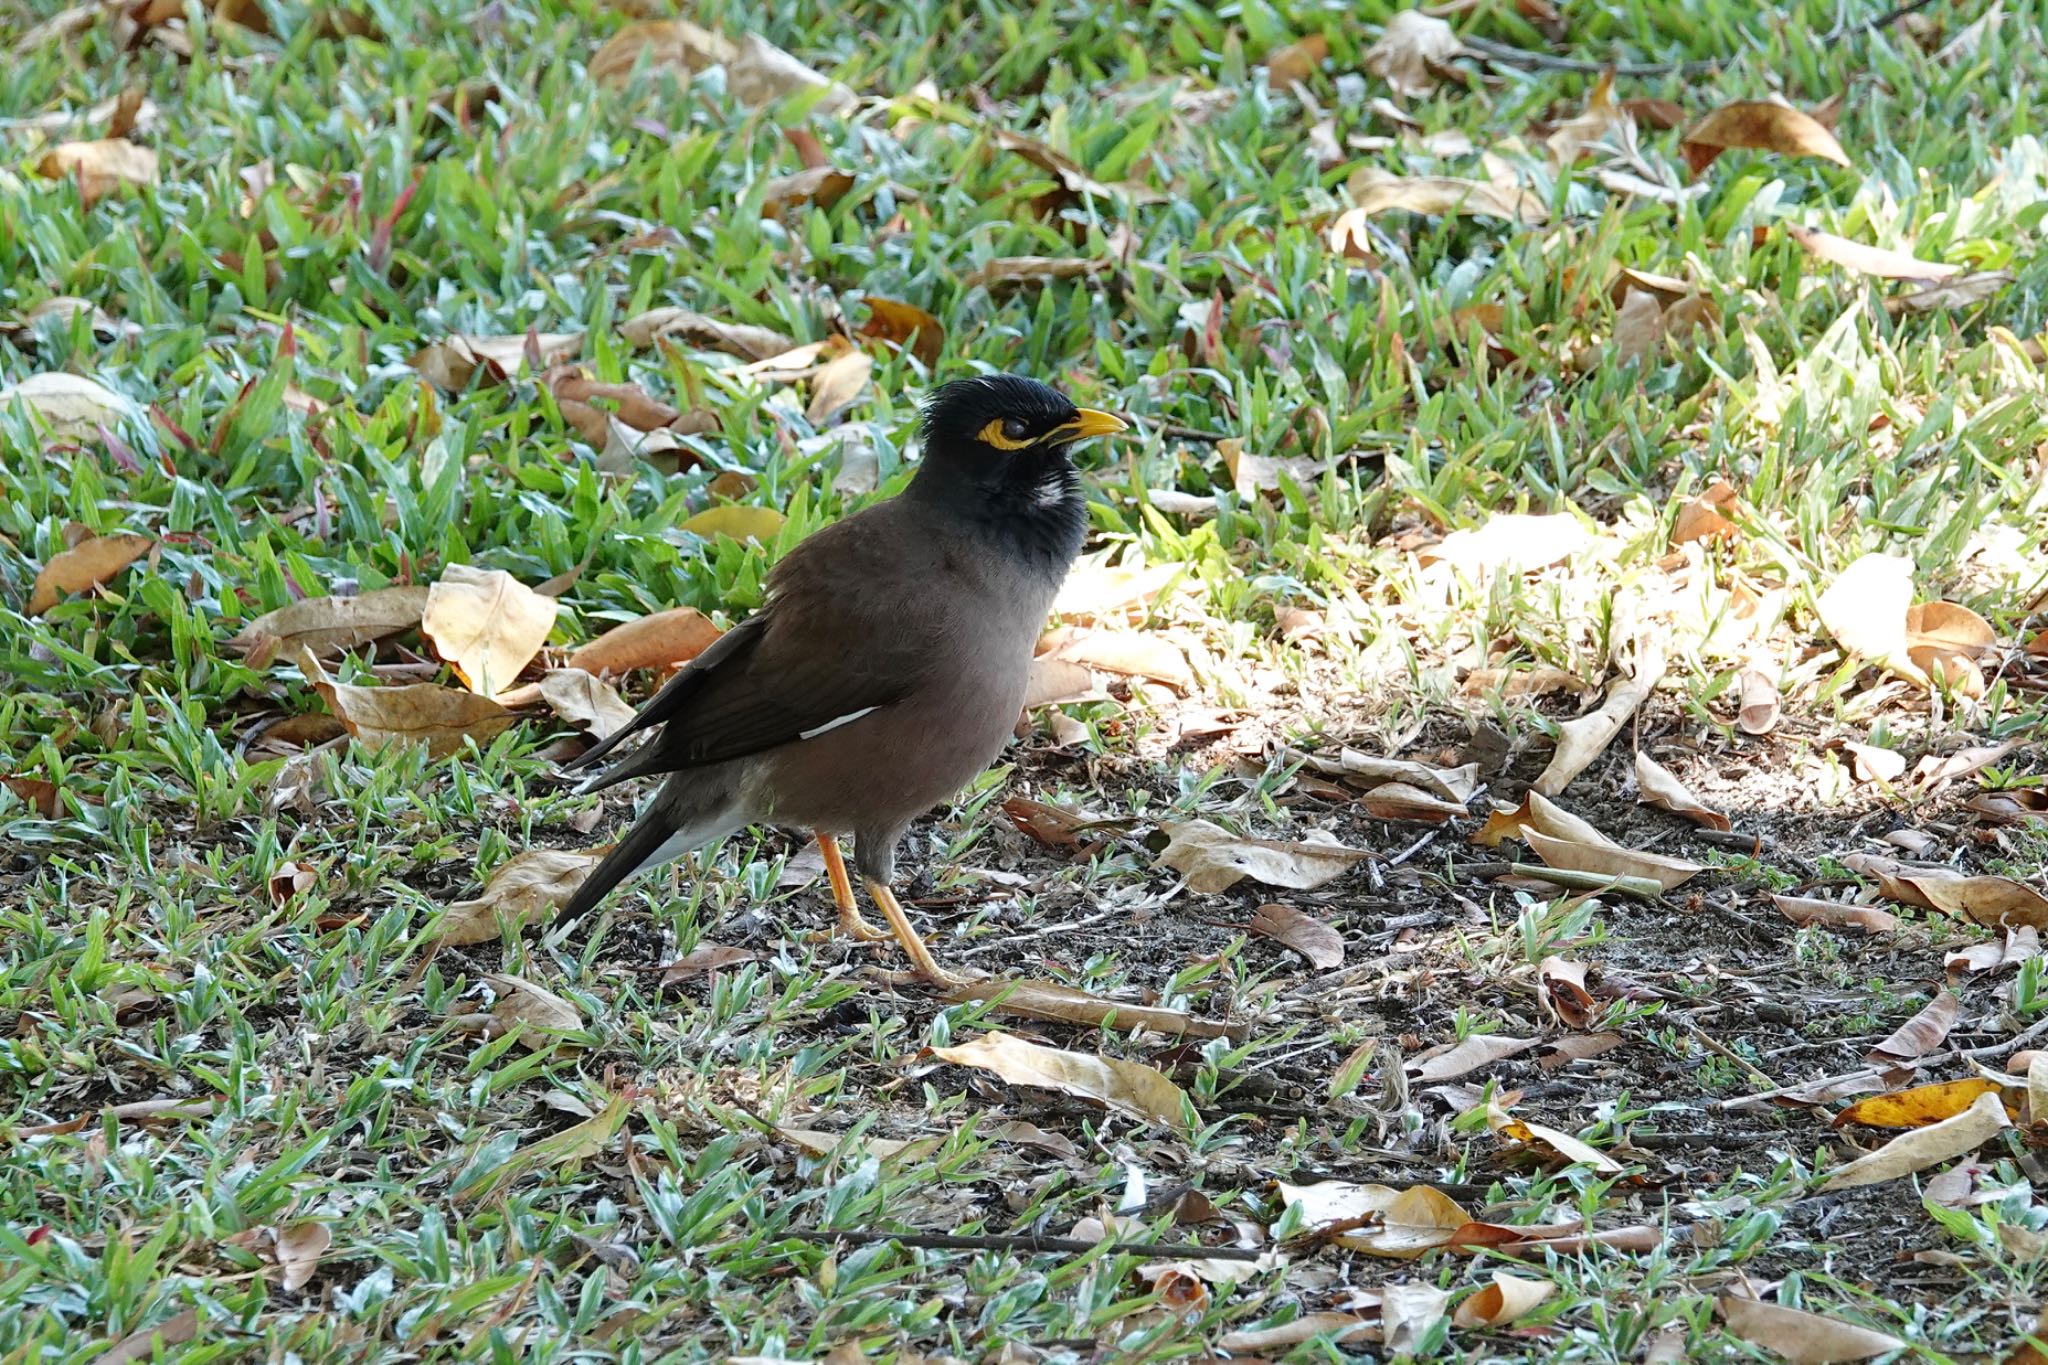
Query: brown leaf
{"type": "Point", "coordinates": [1405, 801]}
{"type": "Point", "coordinates": [143, 1342]}
{"type": "Point", "coordinates": [1574, 1150]}
{"type": "Point", "coordinates": [1701, 519]}
{"type": "Point", "coordinates": [1957, 291]}
{"type": "Point", "coordinates": [1046, 1001]}
{"type": "Point", "coordinates": [299, 1248]}
{"type": "Point", "coordinates": [1921, 1034]}
{"type": "Point", "coordinates": [1213, 859]}
{"type": "Point", "coordinates": [1053, 826]}
{"type": "Point", "coordinates": [1461, 1059]}
{"type": "Point", "coordinates": [1374, 191]}
{"type": "Point", "coordinates": [100, 167]}
{"type": "Point", "coordinates": [541, 1016]}
{"type": "Point", "coordinates": [1943, 639]}
{"type": "Point", "coordinates": [663, 640]}
{"type": "Point", "coordinates": [1920, 1148]}
{"type": "Point", "coordinates": [1801, 1337]}
{"type": "Point", "coordinates": [705, 333]}
{"type": "Point", "coordinates": [2021, 943]}
{"type": "Point", "coordinates": [1606, 860]}
{"type": "Point", "coordinates": [1867, 260]}
{"type": "Point", "coordinates": [706, 958]}
{"type": "Point", "coordinates": [1073, 178]}
{"type": "Point", "coordinates": [1013, 272]}
{"type": "Point", "coordinates": [1131, 1088]}
{"type": "Point", "coordinates": [1918, 1107]}
{"type": "Point", "coordinates": [1297, 61]}
{"type": "Point", "coordinates": [1401, 1224]}
{"type": "Point", "coordinates": [487, 624]}
{"type": "Point", "coordinates": [1316, 941]}
{"type": "Point", "coordinates": [525, 889]}
{"type": "Point", "coordinates": [1409, 53]}
{"type": "Point", "coordinates": [1587, 130]}
{"type": "Point", "coordinates": [2020, 803]}
{"type": "Point", "coordinates": [1638, 328]}
{"type": "Point", "coordinates": [1980, 899]}
{"type": "Point", "coordinates": [906, 326]}
{"type": "Point", "coordinates": [1130, 653]}
{"type": "Point", "coordinates": [93, 561]}
{"type": "Point", "coordinates": [838, 386]}
{"type": "Point", "coordinates": [585, 699]}
{"type": "Point", "coordinates": [1540, 681]}
{"type": "Point", "coordinates": [330, 624]}
{"type": "Point", "coordinates": [1759, 124]}
{"type": "Point", "coordinates": [674, 46]}
{"type": "Point", "coordinates": [1581, 741]}
{"type": "Point", "coordinates": [449, 364]}
{"type": "Point", "coordinates": [1341, 1327]}
{"type": "Point", "coordinates": [1509, 1298]}
{"type": "Point", "coordinates": [820, 186]}
{"type": "Point", "coordinates": [589, 406]}
{"type": "Point", "coordinates": [1577, 1047]}
{"type": "Point", "coordinates": [439, 717]}
{"type": "Point", "coordinates": [1055, 682]}
{"type": "Point", "coordinates": [39, 794]}
{"type": "Point", "coordinates": [1564, 986]}
{"type": "Point", "coordinates": [1803, 911]}
{"type": "Point", "coordinates": [1662, 789]}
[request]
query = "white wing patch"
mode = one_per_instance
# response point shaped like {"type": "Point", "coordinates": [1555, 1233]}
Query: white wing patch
{"type": "Point", "coordinates": [847, 719]}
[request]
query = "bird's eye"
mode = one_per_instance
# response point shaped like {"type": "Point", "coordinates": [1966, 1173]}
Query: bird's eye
{"type": "Point", "coordinates": [1015, 430]}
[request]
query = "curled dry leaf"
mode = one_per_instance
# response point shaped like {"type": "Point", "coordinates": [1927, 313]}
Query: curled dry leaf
{"type": "Point", "coordinates": [71, 405]}
{"type": "Point", "coordinates": [450, 364]}
{"type": "Point", "coordinates": [1543, 815]}
{"type": "Point", "coordinates": [1760, 124]}
{"type": "Point", "coordinates": [1757, 702]}
{"type": "Point", "coordinates": [1585, 131]}
{"type": "Point", "coordinates": [1297, 61]}
{"type": "Point", "coordinates": [299, 1248]}
{"type": "Point", "coordinates": [705, 333]}
{"type": "Point", "coordinates": [487, 624]}
{"type": "Point", "coordinates": [1918, 1107]}
{"type": "Point", "coordinates": [1865, 610]}
{"type": "Point", "coordinates": [1608, 860]}
{"type": "Point", "coordinates": [1803, 911]}
{"type": "Point", "coordinates": [1564, 986]}
{"type": "Point", "coordinates": [525, 889]}
{"type": "Point", "coordinates": [1574, 1150]}
{"type": "Point", "coordinates": [1136, 1090]}
{"type": "Point", "coordinates": [1316, 941]}
{"type": "Point", "coordinates": [1046, 1001]}
{"type": "Point", "coordinates": [1577, 1047]}
{"type": "Point", "coordinates": [1511, 543]}
{"type": "Point", "coordinates": [907, 326]}
{"type": "Point", "coordinates": [1405, 801]}
{"type": "Point", "coordinates": [1096, 591]}
{"type": "Point", "coordinates": [674, 46]}
{"type": "Point", "coordinates": [1957, 291]}
{"type": "Point", "coordinates": [1539, 681]}
{"type": "Point", "coordinates": [736, 521]}
{"type": "Point", "coordinates": [1872, 763]}
{"type": "Point", "coordinates": [329, 624]}
{"type": "Point", "coordinates": [1454, 785]}
{"type": "Point", "coordinates": [93, 561]}
{"type": "Point", "coordinates": [1213, 859]}
{"type": "Point", "coordinates": [567, 1147]}
{"type": "Point", "coordinates": [100, 167]}
{"type": "Point", "coordinates": [1801, 1337]}
{"type": "Point", "coordinates": [662, 640]}
{"type": "Point", "coordinates": [1056, 682]}
{"type": "Point", "coordinates": [2019, 944]}
{"type": "Point", "coordinates": [1700, 518]}
{"type": "Point", "coordinates": [816, 186]}
{"type": "Point", "coordinates": [1461, 1059]}
{"type": "Point", "coordinates": [1340, 1327]}
{"type": "Point", "coordinates": [760, 73]}
{"type": "Point", "coordinates": [1408, 54]}
{"type": "Point", "coordinates": [152, 1342]}
{"type": "Point", "coordinates": [585, 699]}
{"type": "Point", "coordinates": [1980, 899]}
{"type": "Point", "coordinates": [838, 386]}
{"type": "Point", "coordinates": [1401, 1224]}
{"type": "Point", "coordinates": [1128, 653]}
{"type": "Point", "coordinates": [1944, 640]}
{"type": "Point", "coordinates": [1867, 260]}
{"type": "Point", "coordinates": [591, 408]}
{"type": "Point", "coordinates": [1581, 741]}
{"type": "Point", "coordinates": [1921, 1034]}
{"type": "Point", "coordinates": [1374, 191]}
{"type": "Point", "coordinates": [1508, 1299]}
{"type": "Point", "coordinates": [540, 1015]}
{"type": "Point", "coordinates": [2019, 804]}
{"type": "Point", "coordinates": [1408, 1313]}
{"type": "Point", "coordinates": [1663, 790]}
{"type": "Point", "coordinates": [1920, 1148]}
{"type": "Point", "coordinates": [1014, 272]}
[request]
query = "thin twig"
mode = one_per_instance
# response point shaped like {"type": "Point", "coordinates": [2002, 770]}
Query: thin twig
{"type": "Point", "coordinates": [2011, 1044]}
{"type": "Point", "coordinates": [1505, 55]}
{"type": "Point", "coordinates": [1058, 1246]}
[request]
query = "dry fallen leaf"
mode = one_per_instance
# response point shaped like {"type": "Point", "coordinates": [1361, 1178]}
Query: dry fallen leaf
{"type": "Point", "coordinates": [1097, 591]}
{"type": "Point", "coordinates": [674, 46]}
{"type": "Point", "coordinates": [1802, 910]}
{"type": "Point", "coordinates": [1341, 1327]}
{"type": "Point", "coordinates": [1757, 700]}
{"type": "Point", "coordinates": [1918, 1107]}
{"type": "Point", "coordinates": [1131, 1088]}
{"type": "Point", "coordinates": [1867, 260]}
{"type": "Point", "coordinates": [1944, 641]}
{"type": "Point", "coordinates": [1574, 1150]}
{"type": "Point", "coordinates": [1461, 1059]}
{"type": "Point", "coordinates": [1408, 1222]}
{"type": "Point", "coordinates": [487, 624]}
{"type": "Point", "coordinates": [1865, 610]}
{"type": "Point", "coordinates": [100, 167]}
{"type": "Point", "coordinates": [1564, 987]}
{"type": "Point", "coordinates": [1012, 272]}
{"type": "Point", "coordinates": [1073, 177]}
{"type": "Point", "coordinates": [153, 1342]}
{"type": "Point", "coordinates": [706, 958]}
{"type": "Point", "coordinates": [1408, 1313]}
{"type": "Point", "coordinates": [1297, 61]}
{"type": "Point", "coordinates": [93, 561]}
{"type": "Point", "coordinates": [816, 187]}
{"type": "Point", "coordinates": [585, 699]}
{"type": "Point", "coordinates": [1700, 518]}
{"type": "Point", "coordinates": [328, 624]}
{"type": "Point", "coordinates": [526, 889]}
{"type": "Point", "coordinates": [1916, 1150]}
{"type": "Point", "coordinates": [569, 1146]}
{"type": "Point", "coordinates": [1800, 1337]}
{"type": "Point", "coordinates": [736, 521]}
{"type": "Point", "coordinates": [299, 1248]}
{"type": "Point", "coordinates": [1213, 859]}
{"type": "Point", "coordinates": [838, 386]}
{"type": "Point", "coordinates": [1511, 543]}
{"type": "Point", "coordinates": [907, 326]}
{"type": "Point", "coordinates": [1056, 682]}
{"type": "Point", "coordinates": [1128, 653]}
{"type": "Point", "coordinates": [451, 363]}
{"type": "Point", "coordinates": [1760, 124]}
{"type": "Point", "coordinates": [1313, 939]}
{"type": "Point", "coordinates": [760, 73]}
{"type": "Point", "coordinates": [1660, 788]}
{"type": "Point", "coordinates": [1508, 1299]}
{"type": "Point", "coordinates": [1581, 741]}
{"type": "Point", "coordinates": [1980, 899]}
{"type": "Point", "coordinates": [662, 640]}
{"type": "Point", "coordinates": [1374, 191]}
{"type": "Point", "coordinates": [705, 333]}
{"type": "Point", "coordinates": [70, 405]}
{"type": "Point", "coordinates": [540, 1015]}
{"type": "Point", "coordinates": [1957, 291]}
{"type": "Point", "coordinates": [821, 1143]}
{"type": "Point", "coordinates": [1046, 1001]}
{"type": "Point", "coordinates": [1921, 1034]}
{"type": "Point", "coordinates": [1411, 50]}
{"type": "Point", "coordinates": [441, 718]}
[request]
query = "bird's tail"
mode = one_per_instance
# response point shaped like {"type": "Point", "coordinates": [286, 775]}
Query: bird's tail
{"type": "Point", "coordinates": [641, 847]}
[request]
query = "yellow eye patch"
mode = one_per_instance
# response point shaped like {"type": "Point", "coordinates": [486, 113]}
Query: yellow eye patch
{"type": "Point", "coordinates": [993, 434]}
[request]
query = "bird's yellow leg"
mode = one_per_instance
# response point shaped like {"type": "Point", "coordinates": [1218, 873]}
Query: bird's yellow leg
{"type": "Point", "coordinates": [920, 956]}
{"type": "Point", "coordinates": [851, 922]}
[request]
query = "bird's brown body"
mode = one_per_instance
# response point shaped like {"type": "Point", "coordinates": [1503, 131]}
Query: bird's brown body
{"type": "Point", "coordinates": [885, 672]}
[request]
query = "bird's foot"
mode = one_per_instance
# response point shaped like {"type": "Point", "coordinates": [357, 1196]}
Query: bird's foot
{"type": "Point", "coordinates": [855, 926]}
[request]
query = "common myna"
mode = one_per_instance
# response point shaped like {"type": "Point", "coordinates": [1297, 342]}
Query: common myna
{"type": "Point", "coordinates": [888, 666]}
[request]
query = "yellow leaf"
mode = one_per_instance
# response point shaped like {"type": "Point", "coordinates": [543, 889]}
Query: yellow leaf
{"type": "Point", "coordinates": [1917, 1107]}
{"type": "Point", "coordinates": [737, 521]}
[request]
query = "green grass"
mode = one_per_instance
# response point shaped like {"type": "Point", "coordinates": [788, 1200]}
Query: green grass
{"type": "Point", "coordinates": [319, 1030]}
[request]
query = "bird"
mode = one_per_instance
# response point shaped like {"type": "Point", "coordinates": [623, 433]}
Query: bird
{"type": "Point", "coordinates": [887, 665]}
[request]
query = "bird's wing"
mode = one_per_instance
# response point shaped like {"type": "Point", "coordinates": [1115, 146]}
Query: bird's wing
{"type": "Point", "coordinates": [675, 694]}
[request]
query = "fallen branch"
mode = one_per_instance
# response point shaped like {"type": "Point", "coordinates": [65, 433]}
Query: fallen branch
{"type": "Point", "coordinates": [1024, 1242]}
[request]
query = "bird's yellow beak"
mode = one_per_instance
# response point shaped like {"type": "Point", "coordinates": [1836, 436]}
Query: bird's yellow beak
{"type": "Point", "coordinates": [1089, 423]}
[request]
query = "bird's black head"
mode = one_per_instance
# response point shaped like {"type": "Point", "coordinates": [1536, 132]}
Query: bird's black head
{"type": "Point", "coordinates": [995, 452]}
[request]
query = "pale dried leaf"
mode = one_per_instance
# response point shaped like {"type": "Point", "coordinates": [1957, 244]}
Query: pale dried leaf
{"type": "Point", "coordinates": [449, 364]}
{"type": "Point", "coordinates": [1213, 859]}
{"type": "Point", "coordinates": [1660, 788]}
{"type": "Point", "coordinates": [674, 46]}
{"type": "Point", "coordinates": [1409, 1312]}
{"type": "Point", "coordinates": [1980, 899]}
{"type": "Point", "coordinates": [1047, 1001]}
{"type": "Point", "coordinates": [299, 1248]}
{"type": "Point", "coordinates": [705, 333]}
{"type": "Point", "coordinates": [1957, 291]}
{"type": "Point", "coordinates": [1511, 543]}
{"type": "Point", "coordinates": [541, 1016]}
{"type": "Point", "coordinates": [1803, 910]}
{"type": "Point", "coordinates": [71, 406]}
{"type": "Point", "coordinates": [816, 186]}
{"type": "Point", "coordinates": [1461, 1059]}
{"type": "Point", "coordinates": [525, 889]}
{"type": "Point", "coordinates": [328, 624]}
{"type": "Point", "coordinates": [1608, 861]}
{"type": "Point", "coordinates": [1508, 1299]}
{"type": "Point", "coordinates": [662, 640]}
{"type": "Point", "coordinates": [1867, 260]}
{"type": "Point", "coordinates": [1760, 124]}
{"type": "Point", "coordinates": [1921, 1034]}
{"type": "Point", "coordinates": [838, 386]}
{"type": "Point", "coordinates": [1407, 55]}
{"type": "Point", "coordinates": [1012, 272]}
{"type": "Point", "coordinates": [585, 699]}
{"type": "Point", "coordinates": [1056, 682]}
{"type": "Point", "coordinates": [1757, 700]}
{"type": "Point", "coordinates": [1800, 1337]}
{"type": "Point", "coordinates": [93, 561]}
{"type": "Point", "coordinates": [1316, 941]}
{"type": "Point", "coordinates": [1919, 1148]}
{"type": "Point", "coordinates": [760, 73]}
{"type": "Point", "coordinates": [1374, 191]}
{"type": "Point", "coordinates": [100, 167]}
{"type": "Point", "coordinates": [1581, 741]}
{"type": "Point", "coordinates": [1129, 653]}
{"type": "Point", "coordinates": [1131, 1088]}
{"type": "Point", "coordinates": [1572, 1149]}
{"type": "Point", "coordinates": [487, 624]}
{"type": "Point", "coordinates": [1865, 610]}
